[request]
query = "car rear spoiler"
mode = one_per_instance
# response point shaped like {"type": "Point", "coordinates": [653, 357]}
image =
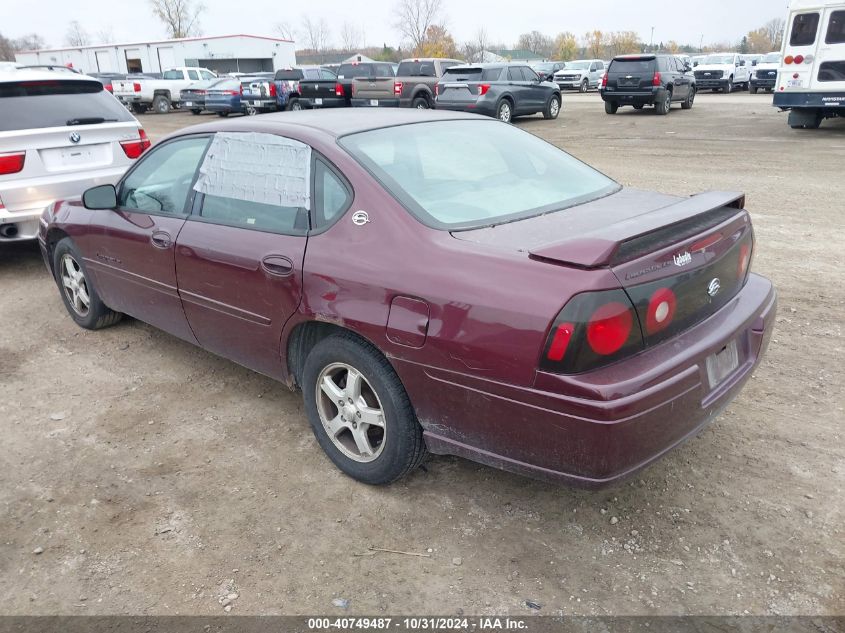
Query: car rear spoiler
{"type": "Point", "coordinates": [624, 240]}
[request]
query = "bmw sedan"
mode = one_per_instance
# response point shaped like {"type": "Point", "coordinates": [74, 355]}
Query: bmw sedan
{"type": "Point", "coordinates": [432, 282]}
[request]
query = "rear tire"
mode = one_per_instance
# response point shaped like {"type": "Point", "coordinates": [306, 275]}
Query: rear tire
{"type": "Point", "coordinates": [195, 111]}
{"type": "Point", "coordinates": [664, 104]}
{"type": "Point", "coordinates": [552, 108]}
{"type": "Point", "coordinates": [638, 106]}
{"type": "Point", "coordinates": [686, 104]}
{"type": "Point", "coordinates": [420, 103]}
{"type": "Point", "coordinates": [223, 114]}
{"type": "Point", "coordinates": [161, 104]}
{"type": "Point", "coordinates": [753, 90]}
{"type": "Point", "coordinates": [338, 410]}
{"type": "Point", "coordinates": [75, 286]}
{"type": "Point", "coordinates": [504, 111]}
{"type": "Point", "coordinates": [139, 109]}
{"type": "Point", "coordinates": [610, 107]}
{"type": "Point", "coordinates": [295, 105]}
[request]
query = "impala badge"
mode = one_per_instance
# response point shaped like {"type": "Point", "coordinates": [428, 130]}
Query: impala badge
{"type": "Point", "coordinates": [682, 259]}
{"type": "Point", "coordinates": [360, 218]}
{"type": "Point", "coordinates": [714, 287]}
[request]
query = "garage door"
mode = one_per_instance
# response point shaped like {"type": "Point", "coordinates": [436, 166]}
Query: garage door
{"type": "Point", "coordinates": [104, 62]}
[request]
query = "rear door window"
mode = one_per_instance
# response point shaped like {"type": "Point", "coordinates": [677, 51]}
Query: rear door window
{"type": "Point", "coordinates": [331, 196]}
{"type": "Point", "coordinates": [832, 71]}
{"type": "Point", "coordinates": [804, 28]}
{"type": "Point", "coordinates": [416, 69]}
{"type": "Point", "coordinates": [173, 74]}
{"type": "Point", "coordinates": [528, 74]}
{"type": "Point", "coordinates": [28, 105]}
{"type": "Point", "coordinates": [472, 74]}
{"type": "Point", "coordinates": [514, 74]}
{"type": "Point", "coordinates": [836, 28]}
{"type": "Point", "coordinates": [192, 74]}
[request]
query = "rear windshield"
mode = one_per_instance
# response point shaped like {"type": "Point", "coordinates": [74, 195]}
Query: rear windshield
{"type": "Point", "coordinates": [27, 105]}
{"type": "Point", "coordinates": [288, 75]}
{"type": "Point", "coordinates": [836, 28]}
{"type": "Point", "coordinates": [173, 74]}
{"type": "Point", "coordinates": [631, 65]}
{"type": "Point", "coordinates": [804, 28]}
{"type": "Point", "coordinates": [472, 74]}
{"type": "Point", "coordinates": [416, 69]}
{"type": "Point", "coordinates": [351, 71]}
{"type": "Point", "coordinates": [491, 173]}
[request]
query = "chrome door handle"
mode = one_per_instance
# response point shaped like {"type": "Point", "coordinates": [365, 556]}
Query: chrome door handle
{"type": "Point", "coordinates": [277, 265]}
{"type": "Point", "coordinates": [161, 239]}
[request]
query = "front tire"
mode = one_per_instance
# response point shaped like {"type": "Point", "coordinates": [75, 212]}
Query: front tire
{"type": "Point", "coordinates": [359, 410]}
{"type": "Point", "coordinates": [552, 108]}
{"type": "Point", "coordinates": [585, 86]}
{"type": "Point", "coordinates": [686, 104]}
{"type": "Point", "coordinates": [730, 87]}
{"type": "Point", "coordinates": [81, 299]}
{"type": "Point", "coordinates": [610, 107]}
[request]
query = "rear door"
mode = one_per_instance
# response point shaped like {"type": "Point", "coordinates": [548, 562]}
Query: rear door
{"type": "Point", "coordinates": [829, 75]}
{"type": "Point", "coordinates": [518, 87]}
{"type": "Point", "coordinates": [239, 256]}
{"type": "Point", "coordinates": [631, 75]}
{"type": "Point", "coordinates": [134, 255]}
{"type": "Point", "coordinates": [535, 93]}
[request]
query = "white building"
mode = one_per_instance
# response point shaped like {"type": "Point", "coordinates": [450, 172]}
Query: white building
{"type": "Point", "coordinates": [225, 53]}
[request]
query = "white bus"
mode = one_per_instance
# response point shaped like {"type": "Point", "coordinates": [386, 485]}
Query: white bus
{"type": "Point", "coordinates": [811, 80]}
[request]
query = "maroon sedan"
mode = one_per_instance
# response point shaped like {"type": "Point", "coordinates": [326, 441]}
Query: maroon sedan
{"type": "Point", "coordinates": [432, 282]}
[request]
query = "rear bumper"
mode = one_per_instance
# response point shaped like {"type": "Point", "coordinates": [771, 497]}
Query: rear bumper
{"type": "Point", "coordinates": [326, 102]}
{"type": "Point", "coordinates": [636, 411]}
{"type": "Point", "coordinates": [474, 107]}
{"type": "Point", "coordinates": [261, 104]}
{"type": "Point", "coordinates": [809, 100]}
{"type": "Point", "coordinates": [630, 97]}
{"type": "Point", "coordinates": [24, 215]}
{"type": "Point", "coordinates": [574, 84]}
{"type": "Point", "coordinates": [379, 103]}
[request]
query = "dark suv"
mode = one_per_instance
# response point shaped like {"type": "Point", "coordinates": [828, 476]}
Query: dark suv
{"type": "Point", "coordinates": [501, 90]}
{"type": "Point", "coordinates": [639, 80]}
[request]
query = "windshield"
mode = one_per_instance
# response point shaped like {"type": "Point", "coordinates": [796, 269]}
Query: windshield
{"type": "Point", "coordinates": [771, 58]}
{"type": "Point", "coordinates": [577, 65]}
{"type": "Point", "coordinates": [719, 59]}
{"type": "Point", "coordinates": [491, 173]}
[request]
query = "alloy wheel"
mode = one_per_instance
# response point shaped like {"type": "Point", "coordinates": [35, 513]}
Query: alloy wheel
{"type": "Point", "coordinates": [351, 412]}
{"type": "Point", "coordinates": [554, 108]}
{"type": "Point", "coordinates": [75, 286]}
{"type": "Point", "coordinates": [505, 112]}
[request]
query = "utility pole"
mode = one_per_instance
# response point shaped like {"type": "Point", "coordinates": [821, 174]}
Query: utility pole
{"type": "Point", "coordinates": [651, 42]}
{"type": "Point", "coordinates": [701, 44]}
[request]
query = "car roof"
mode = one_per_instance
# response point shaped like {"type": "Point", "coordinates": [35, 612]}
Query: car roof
{"type": "Point", "coordinates": [41, 75]}
{"type": "Point", "coordinates": [335, 122]}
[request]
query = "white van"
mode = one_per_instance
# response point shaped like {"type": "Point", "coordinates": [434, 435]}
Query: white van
{"type": "Point", "coordinates": [811, 81]}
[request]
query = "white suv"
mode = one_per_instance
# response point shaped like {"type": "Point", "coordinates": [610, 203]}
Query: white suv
{"type": "Point", "coordinates": [581, 75]}
{"type": "Point", "coordinates": [60, 134]}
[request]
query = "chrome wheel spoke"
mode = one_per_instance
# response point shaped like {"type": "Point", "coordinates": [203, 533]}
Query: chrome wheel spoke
{"type": "Point", "coordinates": [362, 441]}
{"type": "Point", "coordinates": [82, 294]}
{"type": "Point", "coordinates": [353, 385]}
{"type": "Point", "coordinates": [371, 416]}
{"type": "Point", "coordinates": [330, 388]}
{"type": "Point", "coordinates": [335, 426]}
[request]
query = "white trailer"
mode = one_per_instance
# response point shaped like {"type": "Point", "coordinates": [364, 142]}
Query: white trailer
{"type": "Point", "coordinates": [222, 54]}
{"type": "Point", "coordinates": [811, 78]}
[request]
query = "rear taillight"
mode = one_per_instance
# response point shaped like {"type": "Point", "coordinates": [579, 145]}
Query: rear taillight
{"type": "Point", "coordinates": [133, 149]}
{"type": "Point", "coordinates": [354, 89]}
{"type": "Point", "coordinates": [604, 82]}
{"type": "Point", "coordinates": [656, 80]}
{"type": "Point", "coordinates": [593, 329]}
{"type": "Point", "coordinates": [799, 59]}
{"type": "Point", "coordinates": [744, 262]}
{"type": "Point", "coordinates": [136, 87]}
{"type": "Point", "coordinates": [272, 90]}
{"type": "Point", "coordinates": [12, 162]}
{"type": "Point", "coordinates": [231, 92]}
{"type": "Point", "coordinates": [482, 89]}
{"type": "Point", "coordinates": [338, 89]}
{"type": "Point", "coordinates": [240, 90]}
{"type": "Point", "coordinates": [109, 87]}
{"type": "Point", "coordinates": [397, 88]}
{"type": "Point", "coordinates": [436, 90]}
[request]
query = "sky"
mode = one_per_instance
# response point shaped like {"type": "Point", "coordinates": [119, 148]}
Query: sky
{"type": "Point", "coordinates": [685, 21]}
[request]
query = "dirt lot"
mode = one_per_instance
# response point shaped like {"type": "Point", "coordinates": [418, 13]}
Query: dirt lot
{"type": "Point", "coordinates": [157, 477]}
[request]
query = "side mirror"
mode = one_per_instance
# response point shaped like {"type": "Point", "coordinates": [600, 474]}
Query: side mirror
{"type": "Point", "coordinates": [687, 68]}
{"type": "Point", "coordinates": [102, 197]}
{"type": "Point", "coordinates": [742, 62]}
{"type": "Point", "coordinates": [694, 64]}
{"type": "Point", "coordinates": [754, 62]}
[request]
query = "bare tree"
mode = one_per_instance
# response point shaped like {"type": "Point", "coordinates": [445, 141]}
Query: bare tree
{"type": "Point", "coordinates": [774, 30]}
{"type": "Point", "coordinates": [351, 37]}
{"type": "Point", "coordinates": [414, 17]}
{"type": "Point", "coordinates": [105, 35]}
{"type": "Point", "coordinates": [9, 47]}
{"type": "Point", "coordinates": [473, 50]}
{"type": "Point", "coordinates": [316, 33]}
{"type": "Point", "coordinates": [76, 35]}
{"type": "Point", "coordinates": [285, 30]}
{"type": "Point", "coordinates": [536, 42]}
{"type": "Point", "coordinates": [180, 17]}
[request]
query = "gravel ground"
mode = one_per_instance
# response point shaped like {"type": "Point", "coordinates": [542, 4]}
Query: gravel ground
{"type": "Point", "coordinates": [142, 475]}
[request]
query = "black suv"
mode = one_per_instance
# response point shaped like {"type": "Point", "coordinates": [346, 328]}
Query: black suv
{"type": "Point", "coordinates": [639, 80]}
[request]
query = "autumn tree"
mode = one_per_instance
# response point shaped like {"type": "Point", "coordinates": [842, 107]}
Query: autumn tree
{"type": "Point", "coordinates": [595, 42]}
{"type": "Point", "coordinates": [673, 47]}
{"type": "Point", "coordinates": [180, 17]}
{"type": "Point", "coordinates": [565, 46]}
{"type": "Point", "coordinates": [774, 30]}
{"type": "Point", "coordinates": [413, 18]}
{"type": "Point", "coordinates": [758, 41]}
{"type": "Point", "coordinates": [76, 35]}
{"type": "Point", "coordinates": [438, 42]}
{"type": "Point", "coordinates": [622, 43]}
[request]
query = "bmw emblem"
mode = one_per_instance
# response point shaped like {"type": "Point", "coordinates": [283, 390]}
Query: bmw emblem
{"type": "Point", "coordinates": [714, 287]}
{"type": "Point", "coordinates": [74, 137]}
